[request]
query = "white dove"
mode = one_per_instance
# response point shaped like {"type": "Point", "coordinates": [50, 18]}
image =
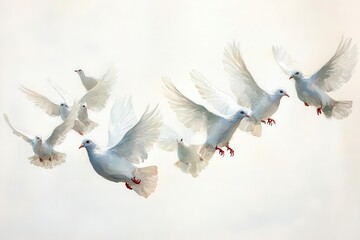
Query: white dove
{"type": "Point", "coordinates": [219, 128]}
{"type": "Point", "coordinates": [129, 142]}
{"type": "Point", "coordinates": [95, 99]}
{"type": "Point", "coordinates": [45, 155]}
{"type": "Point", "coordinates": [248, 93]}
{"type": "Point", "coordinates": [88, 82]}
{"type": "Point", "coordinates": [311, 90]}
{"type": "Point", "coordinates": [189, 159]}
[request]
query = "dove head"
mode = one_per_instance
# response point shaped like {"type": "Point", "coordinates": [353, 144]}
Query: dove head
{"type": "Point", "coordinates": [280, 93]}
{"type": "Point", "coordinates": [37, 140]}
{"type": "Point", "coordinates": [88, 144]}
{"type": "Point", "coordinates": [241, 114]}
{"type": "Point", "coordinates": [296, 75]}
{"type": "Point", "coordinates": [64, 105]}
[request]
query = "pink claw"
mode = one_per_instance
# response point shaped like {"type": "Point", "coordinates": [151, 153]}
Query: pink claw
{"type": "Point", "coordinates": [318, 111]}
{"type": "Point", "coordinates": [221, 152]}
{"type": "Point", "coordinates": [306, 104]}
{"type": "Point", "coordinates": [136, 181]}
{"type": "Point", "coordinates": [231, 151]}
{"type": "Point", "coordinates": [128, 186]}
{"type": "Point", "coordinates": [271, 121]}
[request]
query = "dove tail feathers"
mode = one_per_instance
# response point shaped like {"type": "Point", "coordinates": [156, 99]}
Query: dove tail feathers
{"type": "Point", "coordinates": [252, 126]}
{"type": "Point", "coordinates": [206, 151]}
{"type": "Point", "coordinates": [56, 159]}
{"type": "Point", "coordinates": [89, 125]}
{"type": "Point", "coordinates": [337, 109]}
{"type": "Point", "coordinates": [148, 177]}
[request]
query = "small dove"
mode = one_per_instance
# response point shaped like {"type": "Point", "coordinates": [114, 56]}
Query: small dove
{"type": "Point", "coordinates": [189, 159]}
{"type": "Point", "coordinates": [95, 99]}
{"type": "Point", "coordinates": [45, 155]}
{"type": "Point", "coordinates": [312, 90]}
{"type": "Point", "coordinates": [88, 82]}
{"type": "Point", "coordinates": [129, 142]}
{"type": "Point", "coordinates": [248, 93]}
{"type": "Point", "coordinates": [218, 127]}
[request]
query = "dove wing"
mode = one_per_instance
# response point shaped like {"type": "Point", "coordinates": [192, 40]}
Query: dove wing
{"type": "Point", "coordinates": [220, 100]}
{"type": "Point", "coordinates": [59, 133]}
{"type": "Point", "coordinates": [122, 118]}
{"type": "Point", "coordinates": [50, 108]}
{"type": "Point", "coordinates": [63, 94]}
{"type": "Point", "coordinates": [140, 138]}
{"type": "Point", "coordinates": [286, 63]}
{"type": "Point", "coordinates": [242, 84]}
{"type": "Point", "coordinates": [168, 138]}
{"type": "Point", "coordinates": [17, 132]}
{"type": "Point", "coordinates": [192, 115]}
{"type": "Point", "coordinates": [97, 96]}
{"type": "Point", "coordinates": [338, 69]}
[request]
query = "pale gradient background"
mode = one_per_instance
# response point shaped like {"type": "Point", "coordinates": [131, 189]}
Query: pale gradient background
{"type": "Point", "coordinates": [300, 180]}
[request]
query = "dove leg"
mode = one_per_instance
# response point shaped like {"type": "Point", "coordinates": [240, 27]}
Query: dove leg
{"type": "Point", "coordinates": [318, 111]}
{"type": "Point", "coordinates": [306, 104]}
{"type": "Point", "coordinates": [40, 159]}
{"type": "Point", "coordinates": [221, 152]}
{"type": "Point", "coordinates": [231, 150]}
{"type": "Point", "coordinates": [136, 181]}
{"type": "Point", "coordinates": [263, 121]}
{"type": "Point", "coordinates": [271, 121]}
{"type": "Point", "coordinates": [128, 186]}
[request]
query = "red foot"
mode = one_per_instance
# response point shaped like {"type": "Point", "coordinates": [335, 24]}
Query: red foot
{"type": "Point", "coordinates": [318, 111]}
{"type": "Point", "coordinates": [271, 121]}
{"type": "Point", "coordinates": [136, 181]}
{"type": "Point", "coordinates": [128, 186]}
{"type": "Point", "coordinates": [221, 152]}
{"type": "Point", "coordinates": [231, 151]}
{"type": "Point", "coordinates": [306, 104]}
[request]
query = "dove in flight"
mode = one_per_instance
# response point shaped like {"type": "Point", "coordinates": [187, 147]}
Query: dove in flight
{"type": "Point", "coordinates": [45, 154]}
{"type": "Point", "coordinates": [189, 160]}
{"type": "Point", "coordinates": [248, 93]}
{"type": "Point", "coordinates": [129, 142]}
{"type": "Point", "coordinates": [312, 90]}
{"type": "Point", "coordinates": [95, 100]}
{"type": "Point", "coordinates": [88, 82]}
{"type": "Point", "coordinates": [218, 127]}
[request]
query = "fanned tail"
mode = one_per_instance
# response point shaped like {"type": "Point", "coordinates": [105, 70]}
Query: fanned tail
{"type": "Point", "coordinates": [206, 152]}
{"type": "Point", "coordinates": [148, 177]}
{"type": "Point", "coordinates": [250, 125]}
{"type": "Point", "coordinates": [89, 125]}
{"type": "Point", "coordinates": [57, 159]}
{"type": "Point", "coordinates": [337, 109]}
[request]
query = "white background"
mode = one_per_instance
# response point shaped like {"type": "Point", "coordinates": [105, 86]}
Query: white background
{"type": "Point", "coordinates": [300, 180]}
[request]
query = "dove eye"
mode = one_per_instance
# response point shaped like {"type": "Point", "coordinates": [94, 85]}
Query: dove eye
{"type": "Point", "coordinates": [181, 140]}
{"type": "Point", "coordinates": [83, 106]}
{"type": "Point", "coordinates": [88, 141]}
{"type": "Point", "coordinates": [281, 91]}
{"type": "Point", "coordinates": [296, 73]}
{"type": "Point", "coordinates": [242, 112]}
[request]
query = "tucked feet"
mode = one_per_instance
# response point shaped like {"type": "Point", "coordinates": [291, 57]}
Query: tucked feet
{"type": "Point", "coordinates": [231, 151]}
{"type": "Point", "coordinates": [128, 186]}
{"type": "Point", "coordinates": [306, 104]}
{"type": "Point", "coordinates": [271, 121]}
{"type": "Point", "coordinates": [318, 111]}
{"type": "Point", "coordinates": [136, 181]}
{"type": "Point", "coordinates": [221, 152]}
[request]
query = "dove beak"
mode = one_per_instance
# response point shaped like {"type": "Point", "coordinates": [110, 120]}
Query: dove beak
{"type": "Point", "coordinates": [247, 116]}
{"type": "Point", "coordinates": [292, 76]}
{"type": "Point", "coordinates": [286, 95]}
{"type": "Point", "coordinates": [81, 146]}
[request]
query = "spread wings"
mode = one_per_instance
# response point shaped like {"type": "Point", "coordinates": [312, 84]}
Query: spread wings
{"type": "Point", "coordinates": [286, 63]}
{"type": "Point", "coordinates": [242, 84]}
{"type": "Point", "coordinates": [17, 132]}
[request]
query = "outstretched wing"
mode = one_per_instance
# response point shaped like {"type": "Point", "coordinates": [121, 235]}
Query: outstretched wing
{"type": "Point", "coordinates": [50, 108]}
{"type": "Point", "coordinates": [63, 94]}
{"type": "Point", "coordinates": [122, 118]}
{"type": "Point", "coordinates": [59, 133]}
{"type": "Point", "coordinates": [286, 63]}
{"type": "Point", "coordinates": [97, 96]}
{"type": "Point", "coordinates": [168, 138]}
{"type": "Point", "coordinates": [220, 100]}
{"type": "Point", "coordinates": [17, 132]}
{"type": "Point", "coordinates": [192, 115]}
{"type": "Point", "coordinates": [338, 69]}
{"type": "Point", "coordinates": [242, 84]}
{"type": "Point", "coordinates": [139, 139]}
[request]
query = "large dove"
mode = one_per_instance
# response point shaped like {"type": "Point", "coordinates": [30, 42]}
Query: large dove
{"type": "Point", "coordinates": [218, 127]}
{"type": "Point", "coordinates": [129, 142]}
{"type": "Point", "coordinates": [188, 156]}
{"type": "Point", "coordinates": [45, 155]}
{"type": "Point", "coordinates": [95, 99]}
{"type": "Point", "coordinates": [312, 90]}
{"type": "Point", "coordinates": [248, 93]}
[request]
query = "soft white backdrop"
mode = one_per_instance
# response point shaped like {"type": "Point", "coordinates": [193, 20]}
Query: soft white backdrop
{"type": "Point", "coordinates": [300, 180]}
